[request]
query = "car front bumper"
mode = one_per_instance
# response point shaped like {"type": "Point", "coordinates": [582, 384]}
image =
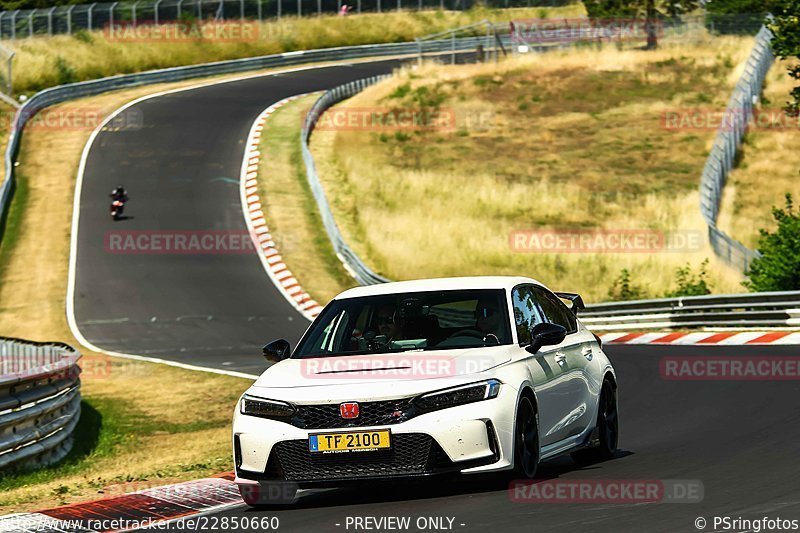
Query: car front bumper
{"type": "Point", "coordinates": [469, 438]}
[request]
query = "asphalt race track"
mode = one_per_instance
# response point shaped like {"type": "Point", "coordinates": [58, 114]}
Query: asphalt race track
{"type": "Point", "coordinates": [181, 169]}
{"type": "Point", "coordinates": [738, 438]}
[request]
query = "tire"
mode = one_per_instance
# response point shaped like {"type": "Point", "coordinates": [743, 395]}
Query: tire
{"type": "Point", "coordinates": [607, 429]}
{"type": "Point", "coordinates": [526, 440]}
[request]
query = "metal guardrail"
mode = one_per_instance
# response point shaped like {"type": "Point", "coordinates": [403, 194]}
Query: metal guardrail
{"type": "Point", "coordinates": [722, 158]}
{"type": "Point", "coordinates": [354, 265]}
{"type": "Point", "coordinates": [40, 401]}
{"type": "Point", "coordinates": [765, 309]}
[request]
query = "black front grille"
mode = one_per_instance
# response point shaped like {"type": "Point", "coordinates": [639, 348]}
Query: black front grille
{"type": "Point", "coordinates": [410, 454]}
{"type": "Point", "coordinates": [326, 416]}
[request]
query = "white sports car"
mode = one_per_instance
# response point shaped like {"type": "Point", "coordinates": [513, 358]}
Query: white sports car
{"type": "Point", "coordinates": [417, 378]}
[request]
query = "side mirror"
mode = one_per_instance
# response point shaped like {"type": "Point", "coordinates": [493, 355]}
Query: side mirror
{"type": "Point", "coordinates": [277, 351]}
{"type": "Point", "coordinates": [546, 334]}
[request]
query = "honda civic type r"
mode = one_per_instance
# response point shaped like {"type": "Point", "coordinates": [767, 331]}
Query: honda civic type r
{"type": "Point", "coordinates": [425, 377]}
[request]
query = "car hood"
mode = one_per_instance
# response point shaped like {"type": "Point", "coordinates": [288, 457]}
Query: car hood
{"type": "Point", "coordinates": [403, 367]}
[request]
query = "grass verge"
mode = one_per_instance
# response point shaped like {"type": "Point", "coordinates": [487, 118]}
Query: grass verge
{"type": "Point", "coordinates": [574, 139]}
{"type": "Point", "coordinates": [289, 205]}
{"type": "Point", "coordinates": [46, 61]}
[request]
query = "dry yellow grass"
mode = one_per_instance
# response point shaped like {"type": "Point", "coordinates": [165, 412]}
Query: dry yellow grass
{"type": "Point", "coordinates": [289, 206]}
{"type": "Point", "coordinates": [560, 140]}
{"type": "Point", "coordinates": [46, 61]}
{"type": "Point", "coordinates": [768, 168]}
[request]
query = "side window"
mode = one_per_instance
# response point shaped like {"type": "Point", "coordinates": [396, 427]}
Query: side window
{"type": "Point", "coordinates": [555, 311]}
{"type": "Point", "coordinates": [526, 313]}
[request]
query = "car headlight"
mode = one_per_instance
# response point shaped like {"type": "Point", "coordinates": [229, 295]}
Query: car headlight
{"type": "Point", "coordinates": [250, 405]}
{"type": "Point", "coordinates": [474, 392]}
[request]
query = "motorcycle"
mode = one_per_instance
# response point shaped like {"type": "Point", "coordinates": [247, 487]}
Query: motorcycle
{"type": "Point", "coordinates": [117, 207]}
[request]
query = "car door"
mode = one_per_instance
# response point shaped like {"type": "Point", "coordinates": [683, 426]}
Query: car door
{"type": "Point", "coordinates": [575, 391]}
{"type": "Point", "coordinates": [543, 366]}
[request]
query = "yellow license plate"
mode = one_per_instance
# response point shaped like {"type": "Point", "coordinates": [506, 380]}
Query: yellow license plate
{"type": "Point", "coordinates": [355, 441]}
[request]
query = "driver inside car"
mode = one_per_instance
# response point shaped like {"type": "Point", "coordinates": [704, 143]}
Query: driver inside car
{"type": "Point", "coordinates": [387, 322]}
{"type": "Point", "coordinates": [487, 320]}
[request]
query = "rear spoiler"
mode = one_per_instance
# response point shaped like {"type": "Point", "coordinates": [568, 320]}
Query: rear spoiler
{"type": "Point", "coordinates": [577, 301]}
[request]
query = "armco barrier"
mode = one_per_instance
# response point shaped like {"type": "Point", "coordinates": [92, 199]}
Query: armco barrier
{"type": "Point", "coordinates": [40, 401]}
{"type": "Point", "coordinates": [752, 310]}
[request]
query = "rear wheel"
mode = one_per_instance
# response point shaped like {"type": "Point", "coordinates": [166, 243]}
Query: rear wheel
{"type": "Point", "coordinates": [607, 429]}
{"type": "Point", "coordinates": [526, 440]}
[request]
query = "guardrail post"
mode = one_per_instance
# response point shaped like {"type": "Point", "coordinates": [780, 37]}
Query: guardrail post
{"type": "Point", "coordinates": [10, 87]}
{"type": "Point", "coordinates": [50, 20]}
{"type": "Point", "coordinates": [89, 17]}
{"type": "Point", "coordinates": [69, 19]}
{"type": "Point", "coordinates": [14, 24]}
{"type": "Point", "coordinates": [111, 16]}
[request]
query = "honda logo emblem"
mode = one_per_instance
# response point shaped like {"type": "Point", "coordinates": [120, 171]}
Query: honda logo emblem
{"type": "Point", "coordinates": [348, 410]}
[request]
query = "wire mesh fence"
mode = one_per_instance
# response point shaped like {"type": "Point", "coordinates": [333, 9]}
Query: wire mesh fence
{"type": "Point", "coordinates": [70, 19]}
{"type": "Point", "coordinates": [722, 158]}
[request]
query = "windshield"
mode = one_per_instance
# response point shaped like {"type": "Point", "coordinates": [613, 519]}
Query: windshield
{"type": "Point", "coordinates": [422, 321]}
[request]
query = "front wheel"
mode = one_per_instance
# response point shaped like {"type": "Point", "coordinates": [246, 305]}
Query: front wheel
{"type": "Point", "coordinates": [526, 440]}
{"type": "Point", "coordinates": [607, 429]}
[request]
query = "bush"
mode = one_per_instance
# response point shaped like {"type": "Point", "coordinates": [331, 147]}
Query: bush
{"type": "Point", "coordinates": [622, 288]}
{"type": "Point", "coordinates": [64, 72]}
{"type": "Point", "coordinates": [689, 284]}
{"type": "Point", "coordinates": [778, 268]}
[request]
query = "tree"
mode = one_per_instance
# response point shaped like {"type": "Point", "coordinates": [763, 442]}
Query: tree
{"type": "Point", "coordinates": [786, 44]}
{"type": "Point", "coordinates": [736, 16]}
{"type": "Point", "coordinates": [652, 11]}
{"type": "Point", "coordinates": [778, 268]}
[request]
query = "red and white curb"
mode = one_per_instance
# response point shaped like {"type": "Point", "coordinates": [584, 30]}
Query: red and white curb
{"type": "Point", "coordinates": [256, 221]}
{"type": "Point", "coordinates": [727, 338]}
{"type": "Point", "coordinates": [135, 510]}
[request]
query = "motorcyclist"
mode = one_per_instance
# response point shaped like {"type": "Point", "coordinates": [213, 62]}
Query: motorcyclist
{"type": "Point", "coordinates": [119, 194]}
